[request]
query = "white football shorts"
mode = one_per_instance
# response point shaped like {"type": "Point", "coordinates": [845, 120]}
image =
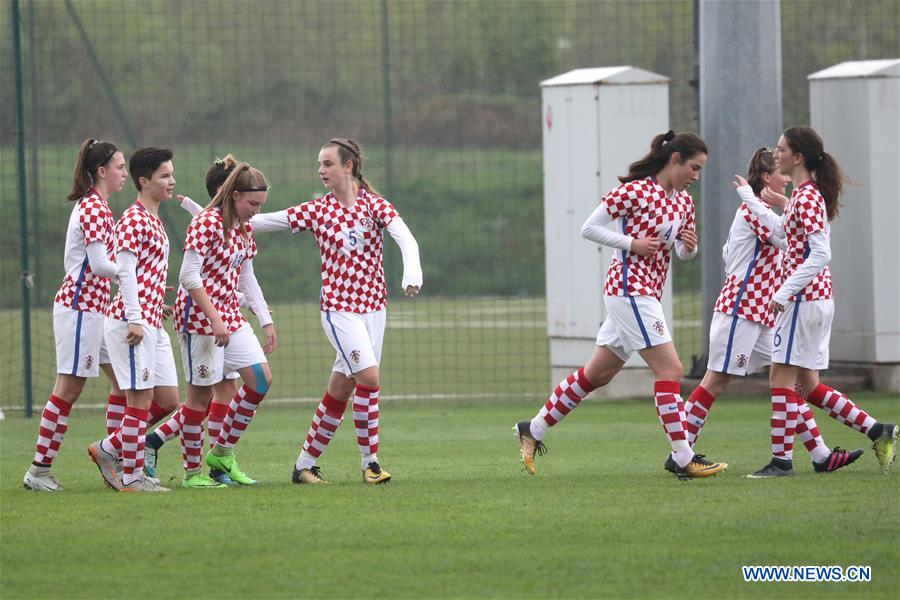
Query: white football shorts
{"type": "Point", "coordinates": [356, 337]}
{"type": "Point", "coordinates": [738, 346]}
{"type": "Point", "coordinates": [633, 323]}
{"type": "Point", "coordinates": [205, 363]}
{"type": "Point", "coordinates": [79, 341]}
{"type": "Point", "coordinates": [145, 365]}
{"type": "Point", "coordinates": [802, 334]}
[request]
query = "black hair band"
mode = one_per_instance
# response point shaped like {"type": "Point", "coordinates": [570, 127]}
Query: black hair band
{"type": "Point", "coordinates": [256, 189]}
{"type": "Point", "coordinates": [347, 147]}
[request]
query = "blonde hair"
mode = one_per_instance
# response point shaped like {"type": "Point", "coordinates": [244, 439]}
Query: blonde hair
{"type": "Point", "coordinates": [243, 178]}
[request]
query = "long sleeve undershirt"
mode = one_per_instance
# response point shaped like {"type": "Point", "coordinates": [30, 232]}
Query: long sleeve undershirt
{"type": "Point", "coordinates": [595, 230]}
{"type": "Point", "coordinates": [818, 258]}
{"type": "Point", "coordinates": [126, 271]}
{"type": "Point", "coordinates": [99, 260]}
{"type": "Point", "coordinates": [253, 294]}
{"type": "Point", "coordinates": [409, 249]}
{"type": "Point", "coordinates": [765, 215]}
{"type": "Point", "coordinates": [276, 221]}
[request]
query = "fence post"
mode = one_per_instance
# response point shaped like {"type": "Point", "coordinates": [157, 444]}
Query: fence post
{"type": "Point", "coordinates": [386, 77]}
{"type": "Point", "coordinates": [23, 214]}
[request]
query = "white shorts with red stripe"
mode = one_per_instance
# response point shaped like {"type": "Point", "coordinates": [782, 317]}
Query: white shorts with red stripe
{"type": "Point", "coordinates": [79, 341]}
{"type": "Point", "coordinates": [357, 337]}
{"type": "Point", "coordinates": [145, 365]}
{"type": "Point", "coordinates": [738, 346]}
{"type": "Point", "coordinates": [633, 323]}
{"type": "Point", "coordinates": [205, 363]}
{"type": "Point", "coordinates": [803, 333]}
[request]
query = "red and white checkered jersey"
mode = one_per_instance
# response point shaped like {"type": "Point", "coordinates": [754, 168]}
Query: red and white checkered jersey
{"type": "Point", "coordinates": [350, 246]}
{"type": "Point", "coordinates": [222, 259]}
{"type": "Point", "coordinates": [142, 233]}
{"type": "Point", "coordinates": [752, 270]}
{"type": "Point", "coordinates": [91, 221]}
{"type": "Point", "coordinates": [805, 214]}
{"type": "Point", "coordinates": [642, 209]}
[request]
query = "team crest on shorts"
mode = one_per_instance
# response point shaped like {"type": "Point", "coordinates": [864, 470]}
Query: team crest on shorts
{"type": "Point", "coordinates": [89, 361]}
{"type": "Point", "coordinates": [146, 374]}
{"type": "Point", "coordinates": [354, 356]}
{"type": "Point", "coordinates": [742, 360]}
{"type": "Point", "coordinates": [660, 327]}
{"type": "Point", "coordinates": [202, 371]}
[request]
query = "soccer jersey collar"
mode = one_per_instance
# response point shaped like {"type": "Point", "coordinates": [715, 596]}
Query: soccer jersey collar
{"type": "Point", "coordinates": [359, 196]}
{"type": "Point", "coordinates": [808, 182]}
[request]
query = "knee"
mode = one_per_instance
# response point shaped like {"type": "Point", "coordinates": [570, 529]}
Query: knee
{"type": "Point", "coordinates": [671, 372]}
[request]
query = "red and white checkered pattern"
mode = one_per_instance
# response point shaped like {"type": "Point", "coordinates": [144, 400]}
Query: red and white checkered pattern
{"type": "Point", "coordinates": [807, 430]}
{"type": "Point", "coordinates": [644, 210]}
{"type": "Point", "coordinates": [214, 421]}
{"type": "Point", "coordinates": [350, 246]}
{"type": "Point", "coordinates": [133, 437]}
{"type": "Point", "coordinates": [365, 419]}
{"type": "Point", "coordinates": [696, 409]}
{"type": "Point", "coordinates": [240, 412]}
{"type": "Point", "coordinates": [115, 412]}
{"type": "Point", "coordinates": [191, 438]}
{"type": "Point", "coordinates": [328, 417]}
{"type": "Point", "coordinates": [142, 233]}
{"type": "Point", "coordinates": [841, 408]}
{"type": "Point", "coordinates": [222, 259]}
{"type": "Point", "coordinates": [805, 214]}
{"type": "Point", "coordinates": [171, 428]}
{"type": "Point", "coordinates": [54, 423]}
{"type": "Point", "coordinates": [670, 409]}
{"type": "Point", "coordinates": [81, 289]}
{"type": "Point", "coordinates": [785, 405]}
{"type": "Point", "coordinates": [565, 398]}
{"type": "Point", "coordinates": [764, 277]}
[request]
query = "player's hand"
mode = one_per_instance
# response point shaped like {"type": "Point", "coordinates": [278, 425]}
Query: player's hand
{"type": "Point", "coordinates": [412, 291]}
{"type": "Point", "coordinates": [167, 311]}
{"type": "Point", "coordinates": [220, 332]}
{"type": "Point", "coordinates": [271, 339]}
{"type": "Point", "coordinates": [773, 198]}
{"type": "Point", "coordinates": [182, 198]}
{"type": "Point", "coordinates": [775, 307]}
{"type": "Point", "coordinates": [135, 334]}
{"type": "Point", "coordinates": [689, 239]}
{"type": "Point", "coordinates": [739, 182]}
{"type": "Point", "coordinates": [645, 246]}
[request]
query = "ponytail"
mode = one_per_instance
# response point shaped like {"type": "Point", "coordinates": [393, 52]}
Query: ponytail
{"type": "Point", "coordinates": [92, 155]}
{"type": "Point", "coordinates": [218, 172]}
{"type": "Point", "coordinates": [827, 172]}
{"type": "Point", "coordinates": [762, 162]}
{"type": "Point", "coordinates": [662, 147]}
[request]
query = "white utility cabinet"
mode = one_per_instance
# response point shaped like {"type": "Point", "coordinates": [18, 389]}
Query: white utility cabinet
{"type": "Point", "coordinates": [595, 122]}
{"type": "Point", "coordinates": [855, 107]}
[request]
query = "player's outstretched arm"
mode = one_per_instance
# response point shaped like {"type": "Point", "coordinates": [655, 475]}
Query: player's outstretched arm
{"type": "Point", "coordinates": [276, 221]}
{"type": "Point", "coordinates": [189, 205]}
{"type": "Point", "coordinates": [409, 249]}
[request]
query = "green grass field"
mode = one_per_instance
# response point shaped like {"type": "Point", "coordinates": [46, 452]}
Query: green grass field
{"type": "Point", "coordinates": [461, 518]}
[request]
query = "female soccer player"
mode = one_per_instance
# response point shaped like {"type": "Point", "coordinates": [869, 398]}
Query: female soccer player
{"type": "Point", "coordinates": [139, 348]}
{"type": "Point", "coordinates": [80, 304]}
{"type": "Point", "coordinates": [224, 390]}
{"type": "Point", "coordinates": [655, 215]}
{"type": "Point", "coordinates": [347, 224]}
{"type": "Point", "coordinates": [213, 335]}
{"type": "Point", "coordinates": [740, 337]}
{"type": "Point", "coordinates": [803, 304]}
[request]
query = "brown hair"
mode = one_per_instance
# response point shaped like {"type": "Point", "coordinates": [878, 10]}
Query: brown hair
{"type": "Point", "coordinates": [92, 155]}
{"type": "Point", "coordinates": [349, 150]}
{"type": "Point", "coordinates": [661, 148]}
{"type": "Point", "coordinates": [243, 178]}
{"type": "Point", "coordinates": [827, 172]}
{"type": "Point", "coordinates": [762, 162]}
{"type": "Point", "coordinates": [145, 161]}
{"type": "Point", "coordinates": [218, 172]}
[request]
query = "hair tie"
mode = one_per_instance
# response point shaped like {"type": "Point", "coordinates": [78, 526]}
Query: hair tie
{"type": "Point", "coordinates": [821, 157]}
{"type": "Point", "coordinates": [219, 161]}
{"type": "Point", "coordinates": [670, 135]}
{"type": "Point", "coordinates": [92, 143]}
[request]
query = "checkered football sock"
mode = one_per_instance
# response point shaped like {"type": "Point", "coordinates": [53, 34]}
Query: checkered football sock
{"type": "Point", "coordinates": [240, 412]}
{"type": "Point", "coordinates": [217, 414]}
{"type": "Point", "coordinates": [670, 410]}
{"type": "Point", "coordinates": [365, 420]}
{"type": "Point", "coordinates": [133, 437]}
{"type": "Point", "coordinates": [808, 433]}
{"type": "Point", "coordinates": [325, 422]}
{"type": "Point", "coordinates": [565, 398]}
{"type": "Point", "coordinates": [191, 437]}
{"type": "Point", "coordinates": [783, 422]}
{"type": "Point", "coordinates": [54, 423]}
{"type": "Point", "coordinates": [841, 408]}
{"type": "Point", "coordinates": [115, 412]}
{"type": "Point", "coordinates": [696, 410]}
